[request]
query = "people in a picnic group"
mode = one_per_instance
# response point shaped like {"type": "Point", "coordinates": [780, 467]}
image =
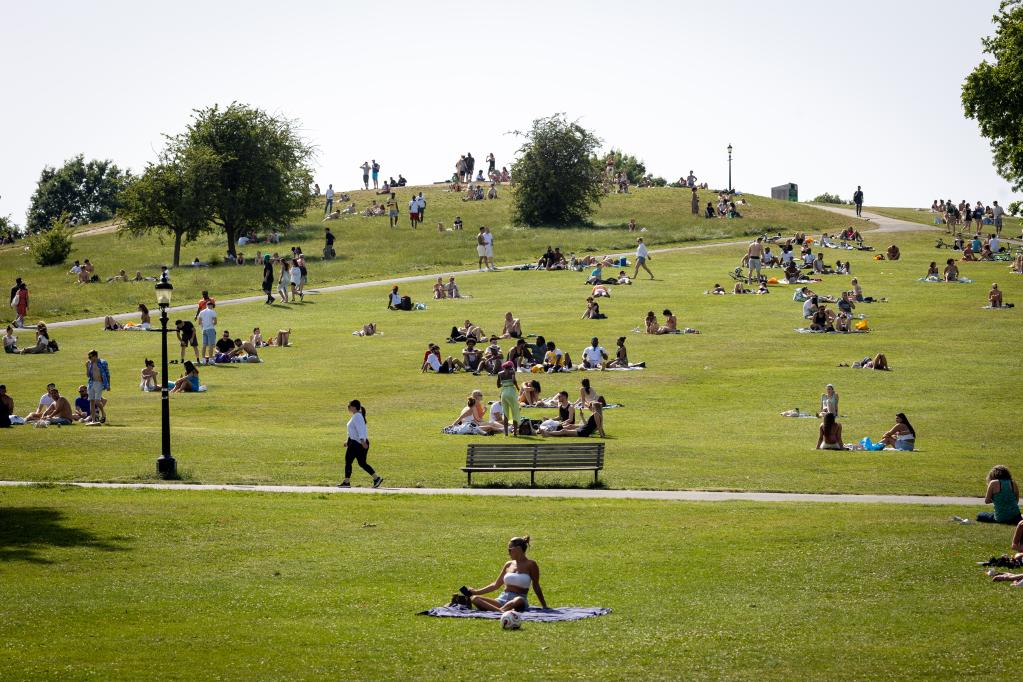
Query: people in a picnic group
{"type": "Point", "coordinates": [509, 388]}
{"type": "Point", "coordinates": [593, 424]}
{"type": "Point", "coordinates": [829, 435]}
{"type": "Point", "coordinates": [57, 410]}
{"type": "Point", "coordinates": [594, 356]}
{"type": "Point", "coordinates": [42, 343]}
{"type": "Point", "coordinates": [189, 383]}
{"type": "Point", "coordinates": [902, 436]}
{"type": "Point", "coordinates": [512, 328]}
{"type": "Point", "coordinates": [642, 256]}
{"type": "Point", "coordinates": [357, 445]}
{"type": "Point", "coordinates": [514, 581]}
{"type": "Point", "coordinates": [432, 361]}
{"type": "Point", "coordinates": [858, 200]}
{"type": "Point", "coordinates": [207, 317]}
{"type": "Point", "coordinates": [98, 373]}
{"type": "Point", "coordinates": [1003, 493]}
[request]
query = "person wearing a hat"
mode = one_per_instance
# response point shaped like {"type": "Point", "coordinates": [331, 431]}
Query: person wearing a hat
{"type": "Point", "coordinates": [509, 387]}
{"type": "Point", "coordinates": [829, 401]}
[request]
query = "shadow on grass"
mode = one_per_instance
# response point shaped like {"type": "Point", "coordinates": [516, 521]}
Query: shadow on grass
{"type": "Point", "coordinates": [26, 532]}
{"type": "Point", "coordinates": [555, 484]}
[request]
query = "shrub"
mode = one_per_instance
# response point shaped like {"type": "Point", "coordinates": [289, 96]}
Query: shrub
{"type": "Point", "coordinates": [53, 246]}
{"type": "Point", "coordinates": [827, 198]}
{"type": "Point", "coordinates": [1014, 207]}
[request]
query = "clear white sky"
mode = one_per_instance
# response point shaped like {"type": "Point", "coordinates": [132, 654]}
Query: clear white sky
{"type": "Point", "coordinates": [823, 93]}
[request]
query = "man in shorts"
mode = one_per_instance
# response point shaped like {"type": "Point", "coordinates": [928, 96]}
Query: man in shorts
{"type": "Point", "coordinates": [488, 240]}
{"type": "Point", "coordinates": [98, 373]}
{"type": "Point", "coordinates": [413, 211]}
{"type": "Point", "coordinates": [392, 210]}
{"type": "Point", "coordinates": [754, 254]}
{"type": "Point", "coordinates": [376, 174]}
{"type": "Point", "coordinates": [997, 212]}
{"type": "Point", "coordinates": [208, 323]}
{"type": "Point", "coordinates": [365, 174]}
{"type": "Point", "coordinates": [185, 331]}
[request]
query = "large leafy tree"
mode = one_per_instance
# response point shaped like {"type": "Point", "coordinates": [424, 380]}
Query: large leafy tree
{"type": "Point", "coordinates": [83, 191]}
{"type": "Point", "coordinates": [556, 180]}
{"type": "Point", "coordinates": [263, 174]}
{"type": "Point", "coordinates": [173, 196]}
{"type": "Point", "coordinates": [993, 92]}
{"type": "Point", "coordinates": [634, 168]}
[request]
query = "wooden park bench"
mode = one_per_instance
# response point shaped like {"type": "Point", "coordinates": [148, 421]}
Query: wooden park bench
{"type": "Point", "coordinates": [533, 457]}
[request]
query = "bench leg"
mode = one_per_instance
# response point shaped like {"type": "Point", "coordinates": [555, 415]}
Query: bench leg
{"type": "Point", "coordinates": [532, 479]}
{"type": "Point", "coordinates": [595, 479]}
{"type": "Point", "coordinates": [469, 474]}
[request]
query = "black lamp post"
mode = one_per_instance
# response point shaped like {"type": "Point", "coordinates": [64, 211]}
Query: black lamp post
{"type": "Point", "coordinates": [729, 168]}
{"type": "Point", "coordinates": [166, 467]}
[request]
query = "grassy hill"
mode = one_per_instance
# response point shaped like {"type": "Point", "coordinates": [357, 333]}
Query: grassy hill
{"type": "Point", "coordinates": [368, 249]}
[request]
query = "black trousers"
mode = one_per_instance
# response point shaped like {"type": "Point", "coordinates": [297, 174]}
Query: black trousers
{"type": "Point", "coordinates": [354, 452]}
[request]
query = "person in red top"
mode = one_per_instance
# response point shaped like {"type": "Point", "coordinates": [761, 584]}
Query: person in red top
{"type": "Point", "coordinates": [21, 305]}
{"type": "Point", "coordinates": [203, 302]}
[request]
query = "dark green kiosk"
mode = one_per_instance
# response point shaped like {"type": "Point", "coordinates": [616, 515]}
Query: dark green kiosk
{"type": "Point", "coordinates": [787, 192]}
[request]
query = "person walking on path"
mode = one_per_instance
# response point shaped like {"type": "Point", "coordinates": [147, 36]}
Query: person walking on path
{"type": "Point", "coordinates": [284, 281]}
{"type": "Point", "coordinates": [98, 373]}
{"type": "Point", "coordinates": [695, 202]}
{"type": "Point", "coordinates": [268, 279]}
{"type": "Point", "coordinates": [488, 251]}
{"type": "Point", "coordinates": [19, 299]}
{"type": "Point", "coordinates": [858, 200]}
{"type": "Point", "coordinates": [365, 174]}
{"type": "Point", "coordinates": [642, 256]}
{"type": "Point", "coordinates": [330, 200]}
{"type": "Point", "coordinates": [208, 322]}
{"type": "Point", "coordinates": [376, 174]}
{"type": "Point", "coordinates": [357, 445]}
{"type": "Point", "coordinates": [296, 281]}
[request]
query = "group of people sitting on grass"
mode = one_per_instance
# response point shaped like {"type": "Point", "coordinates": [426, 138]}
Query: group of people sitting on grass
{"type": "Point", "coordinates": [43, 343]}
{"type": "Point", "coordinates": [449, 290]}
{"type": "Point", "coordinates": [902, 436]}
{"type": "Point", "coordinates": [110, 324]}
{"type": "Point", "coordinates": [504, 415]}
{"type": "Point", "coordinates": [1003, 494]}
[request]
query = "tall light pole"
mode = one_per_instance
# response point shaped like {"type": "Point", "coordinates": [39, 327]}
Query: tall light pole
{"type": "Point", "coordinates": [166, 467]}
{"type": "Point", "coordinates": [729, 168]}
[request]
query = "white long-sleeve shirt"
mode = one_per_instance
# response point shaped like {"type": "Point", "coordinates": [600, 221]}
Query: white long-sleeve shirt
{"type": "Point", "coordinates": [641, 251]}
{"type": "Point", "coordinates": [357, 428]}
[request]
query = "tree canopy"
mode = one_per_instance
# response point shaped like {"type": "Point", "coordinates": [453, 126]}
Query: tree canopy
{"type": "Point", "coordinates": [262, 173]}
{"type": "Point", "coordinates": [83, 192]}
{"type": "Point", "coordinates": [635, 169]}
{"type": "Point", "coordinates": [993, 92]}
{"type": "Point", "coordinates": [556, 181]}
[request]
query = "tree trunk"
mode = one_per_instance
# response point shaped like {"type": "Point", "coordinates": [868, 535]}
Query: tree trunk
{"type": "Point", "coordinates": [230, 231]}
{"type": "Point", "coordinates": [177, 248]}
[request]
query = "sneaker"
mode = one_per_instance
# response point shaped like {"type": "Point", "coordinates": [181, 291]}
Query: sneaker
{"type": "Point", "coordinates": [344, 484]}
{"type": "Point", "coordinates": [377, 481]}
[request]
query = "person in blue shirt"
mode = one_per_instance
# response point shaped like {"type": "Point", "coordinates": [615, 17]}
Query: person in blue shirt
{"type": "Point", "coordinates": [83, 407]}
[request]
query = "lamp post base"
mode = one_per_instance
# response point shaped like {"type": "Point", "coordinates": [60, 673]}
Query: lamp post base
{"type": "Point", "coordinates": [167, 468]}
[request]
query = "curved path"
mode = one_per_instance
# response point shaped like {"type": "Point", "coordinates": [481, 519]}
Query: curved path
{"type": "Point", "coordinates": [575, 493]}
{"type": "Point", "coordinates": [884, 223]}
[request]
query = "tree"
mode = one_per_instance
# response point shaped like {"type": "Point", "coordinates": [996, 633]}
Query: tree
{"type": "Point", "coordinates": [262, 167]}
{"type": "Point", "coordinates": [993, 93]}
{"type": "Point", "coordinates": [8, 228]}
{"type": "Point", "coordinates": [174, 195]}
{"type": "Point", "coordinates": [634, 169]}
{"type": "Point", "coordinates": [86, 192]}
{"type": "Point", "coordinates": [828, 198]}
{"type": "Point", "coordinates": [53, 245]}
{"type": "Point", "coordinates": [556, 181]}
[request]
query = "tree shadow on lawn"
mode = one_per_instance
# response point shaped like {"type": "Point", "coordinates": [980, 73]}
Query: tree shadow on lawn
{"type": "Point", "coordinates": [25, 531]}
{"type": "Point", "coordinates": [553, 485]}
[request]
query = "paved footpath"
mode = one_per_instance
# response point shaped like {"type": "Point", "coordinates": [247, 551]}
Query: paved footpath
{"type": "Point", "coordinates": [573, 493]}
{"type": "Point", "coordinates": [883, 224]}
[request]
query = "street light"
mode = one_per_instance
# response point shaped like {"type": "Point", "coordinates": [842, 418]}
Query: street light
{"type": "Point", "coordinates": [729, 168]}
{"type": "Point", "coordinates": [166, 467]}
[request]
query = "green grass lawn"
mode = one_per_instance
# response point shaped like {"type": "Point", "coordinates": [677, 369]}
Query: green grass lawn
{"type": "Point", "coordinates": [367, 249]}
{"type": "Point", "coordinates": [703, 415]}
{"type": "Point", "coordinates": [1011, 227]}
{"type": "Point", "coordinates": [166, 585]}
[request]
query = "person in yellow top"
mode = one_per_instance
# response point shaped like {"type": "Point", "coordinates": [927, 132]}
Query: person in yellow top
{"type": "Point", "coordinates": [554, 360]}
{"type": "Point", "coordinates": [392, 211]}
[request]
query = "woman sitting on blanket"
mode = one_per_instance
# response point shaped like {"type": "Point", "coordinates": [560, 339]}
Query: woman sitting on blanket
{"type": "Point", "coordinates": [670, 325]}
{"type": "Point", "coordinates": [554, 360]}
{"type": "Point", "coordinates": [148, 376]}
{"type": "Point", "coordinates": [843, 268]}
{"type": "Point", "coordinates": [985, 253]}
{"type": "Point", "coordinates": [529, 394]}
{"type": "Point", "coordinates": [829, 436]}
{"type": "Point", "coordinates": [515, 579]}
{"type": "Point", "coordinates": [595, 423]}
{"type": "Point", "coordinates": [842, 323]}
{"type": "Point", "coordinates": [593, 310]}
{"type": "Point", "coordinates": [621, 359]}
{"type": "Point", "coordinates": [475, 412]}
{"type": "Point", "coordinates": [822, 320]}
{"type": "Point", "coordinates": [451, 289]}
{"type": "Point", "coordinates": [439, 291]}
{"type": "Point", "coordinates": [902, 436]}
{"type": "Point", "coordinates": [951, 273]}
{"type": "Point", "coordinates": [968, 252]}
{"type": "Point", "coordinates": [512, 327]}
{"type": "Point", "coordinates": [188, 383]}
{"type": "Point", "coordinates": [42, 344]}
{"type": "Point", "coordinates": [932, 271]}
{"type": "Point", "coordinates": [587, 395]}
{"type": "Point", "coordinates": [650, 324]}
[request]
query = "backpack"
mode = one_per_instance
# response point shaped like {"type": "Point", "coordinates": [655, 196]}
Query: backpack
{"type": "Point", "coordinates": [525, 428]}
{"type": "Point", "coordinates": [53, 346]}
{"type": "Point", "coordinates": [406, 303]}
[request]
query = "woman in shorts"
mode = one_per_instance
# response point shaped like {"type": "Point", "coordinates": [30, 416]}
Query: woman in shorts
{"type": "Point", "coordinates": [516, 577]}
{"type": "Point", "coordinates": [188, 383]}
{"type": "Point", "coordinates": [902, 436]}
{"type": "Point", "coordinates": [186, 335]}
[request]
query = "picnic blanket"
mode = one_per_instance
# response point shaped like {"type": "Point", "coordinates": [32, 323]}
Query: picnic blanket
{"type": "Point", "coordinates": [807, 330]}
{"type": "Point", "coordinates": [630, 368]}
{"type": "Point", "coordinates": [961, 280]}
{"type": "Point", "coordinates": [533, 614]}
{"type": "Point", "coordinates": [1004, 306]}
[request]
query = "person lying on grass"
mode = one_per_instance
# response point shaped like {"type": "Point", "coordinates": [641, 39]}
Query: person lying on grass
{"type": "Point", "coordinates": [188, 383]}
{"type": "Point", "coordinates": [829, 435]}
{"type": "Point", "coordinates": [902, 436]}
{"type": "Point", "coordinates": [595, 424]}
{"type": "Point", "coordinates": [515, 579]}
{"type": "Point", "coordinates": [717, 290]}
{"type": "Point", "coordinates": [1003, 492]}
{"type": "Point", "coordinates": [467, 331]}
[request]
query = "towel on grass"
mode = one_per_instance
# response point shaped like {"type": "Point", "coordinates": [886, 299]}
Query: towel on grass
{"type": "Point", "coordinates": [630, 368]}
{"type": "Point", "coordinates": [1004, 306]}
{"type": "Point", "coordinates": [807, 330]}
{"type": "Point", "coordinates": [961, 280]}
{"type": "Point", "coordinates": [533, 614]}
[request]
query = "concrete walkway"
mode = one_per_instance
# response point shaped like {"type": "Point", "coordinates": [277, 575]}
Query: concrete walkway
{"type": "Point", "coordinates": [550, 493]}
{"type": "Point", "coordinates": [884, 223]}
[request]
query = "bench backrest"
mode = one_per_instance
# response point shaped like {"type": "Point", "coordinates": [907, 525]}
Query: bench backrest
{"type": "Point", "coordinates": [535, 454]}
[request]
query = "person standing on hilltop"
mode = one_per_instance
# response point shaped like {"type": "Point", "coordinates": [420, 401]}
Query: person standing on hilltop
{"type": "Point", "coordinates": [330, 200]}
{"type": "Point", "coordinates": [858, 200]}
{"type": "Point", "coordinates": [695, 203]}
{"type": "Point", "coordinates": [376, 174]}
{"type": "Point", "coordinates": [470, 165]}
{"type": "Point", "coordinates": [365, 174]}
{"type": "Point", "coordinates": [491, 164]}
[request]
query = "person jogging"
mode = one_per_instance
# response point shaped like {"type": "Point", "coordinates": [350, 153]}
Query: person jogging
{"type": "Point", "coordinates": [357, 446]}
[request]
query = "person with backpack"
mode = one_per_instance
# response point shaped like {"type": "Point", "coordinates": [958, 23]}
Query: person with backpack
{"type": "Point", "coordinates": [376, 174]}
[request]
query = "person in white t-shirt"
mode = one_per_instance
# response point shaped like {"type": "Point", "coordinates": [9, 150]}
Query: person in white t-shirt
{"type": "Point", "coordinates": [330, 200]}
{"type": "Point", "coordinates": [642, 256]}
{"type": "Point", "coordinates": [594, 355]}
{"type": "Point", "coordinates": [208, 321]}
{"type": "Point", "coordinates": [44, 402]}
{"type": "Point", "coordinates": [421, 200]}
{"type": "Point", "coordinates": [296, 281]}
{"type": "Point", "coordinates": [413, 211]}
{"type": "Point", "coordinates": [488, 247]}
{"type": "Point", "coordinates": [994, 243]}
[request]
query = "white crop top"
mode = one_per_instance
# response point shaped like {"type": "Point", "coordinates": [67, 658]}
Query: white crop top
{"type": "Point", "coordinates": [520, 580]}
